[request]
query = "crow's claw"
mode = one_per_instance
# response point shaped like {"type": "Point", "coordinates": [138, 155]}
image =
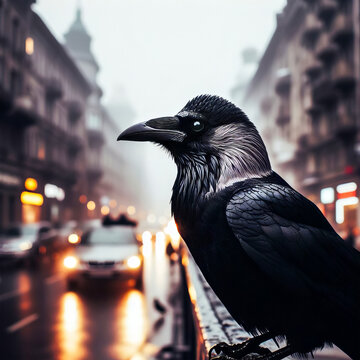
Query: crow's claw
{"type": "Point", "coordinates": [217, 348]}
{"type": "Point", "coordinates": [226, 351]}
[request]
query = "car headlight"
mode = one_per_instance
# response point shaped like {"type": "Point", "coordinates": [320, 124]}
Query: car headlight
{"type": "Point", "coordinates": [70, 262]}
{"type": "Point", "coordinates": [133, 262]}
{"type": "Point", "coordinates": [25, 245]}
{"type": "Point", "coordinates": [73, 238]}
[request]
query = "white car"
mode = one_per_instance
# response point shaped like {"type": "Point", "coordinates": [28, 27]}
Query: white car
{"type": "Point", "coordinates": [105, 253]}
{"type": "Point", "coordinates": [26, 241]}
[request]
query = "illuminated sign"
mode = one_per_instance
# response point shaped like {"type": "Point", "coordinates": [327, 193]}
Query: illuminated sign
{"type": "Point", "coordinates": [31, 184]}
{"type": "Point", "coordinates": [346, 195]}
{"type": "Point", "coordinates": [327, 195]}
{"type": "Point", "coordinates": [54, 192]}
{"type": "Point", "coordinates": [30, 198]}
{"type": "Point", "coordinates": [29, 45]}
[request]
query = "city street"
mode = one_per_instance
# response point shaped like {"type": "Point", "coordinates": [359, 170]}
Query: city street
{"type": "Point", "coordinates": [40, 319]}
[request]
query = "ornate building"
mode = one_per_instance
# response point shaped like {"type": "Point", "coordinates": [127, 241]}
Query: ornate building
{"type": "Point", "coordinates": [303, 99]}
{"type": "Point", "coordinates": [42, 101]}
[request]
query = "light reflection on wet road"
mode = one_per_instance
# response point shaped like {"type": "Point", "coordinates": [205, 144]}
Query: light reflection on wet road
{"type": "Point", "coordinates": [40, 319]}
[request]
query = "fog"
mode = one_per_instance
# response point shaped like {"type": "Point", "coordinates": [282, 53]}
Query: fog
{"type": "Point", "coordinates": [158, 54]}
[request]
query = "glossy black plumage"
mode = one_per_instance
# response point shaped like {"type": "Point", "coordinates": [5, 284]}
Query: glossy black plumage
{"type": "Point", "coordinates": [277, 265]}
{"type": "Point", "coordinates": [268, 252]}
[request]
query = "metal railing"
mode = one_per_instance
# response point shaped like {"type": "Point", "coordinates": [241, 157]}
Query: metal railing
{"type": "Point", "coordinates": [212, 322]}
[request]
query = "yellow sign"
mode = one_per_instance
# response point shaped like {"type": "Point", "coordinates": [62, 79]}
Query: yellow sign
{"type": "Point", "coordinates": [30, 198]}
{"type": "Point", "coordinates": [31, 184]}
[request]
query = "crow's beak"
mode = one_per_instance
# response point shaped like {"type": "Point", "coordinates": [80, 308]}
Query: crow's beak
{"type": "Point", "coordinates": [161, 130]}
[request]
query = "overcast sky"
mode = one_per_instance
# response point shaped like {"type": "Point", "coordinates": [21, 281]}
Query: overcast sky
{"type": "Point", "coordinates": [161, 53]}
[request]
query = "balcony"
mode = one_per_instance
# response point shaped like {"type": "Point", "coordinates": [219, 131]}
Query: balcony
{"type": "Point", "coordinates": [326, 10]}
{"type": "Point", "coordinates": [346, 124]}
{"type": "Point", "coordinates": [326, 51]}
{"type": "Point", "coordinates": [75, 144]}
{"type": "Point", "coordinates": [23, 113]}
{"type": "Point", "coordinates": [283, 116]}
{"type": "Point", "coordinates": [75, 110]}
{"type": "Point", "coordinates": [342, 28]}
{"type": "Point", "coordinates": [54, 89]}
{"type": "Point", "coordinates": [320, 139]}
{"type": "Point", "coordinates": [343, 76]}
{"type": "Point", "coordinates": [310, 106]}
{"type": "Point", "coordinates": [312, 30]}
{"type": "Point", "coordinates": [95, 137]}
{"type": "Point", "coordinates": [283, 82]}
{"type": "Point", "coordinates": [313, 68]}
{"type": "Point", "coordinates": [324, 92]}
{"type": "Point", "coordinates": [312, 140]}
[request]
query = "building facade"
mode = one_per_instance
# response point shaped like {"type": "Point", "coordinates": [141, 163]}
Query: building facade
{"type": "Point", "coordinates": [77, 43]}
{"type": "Point", "coordinates": [42, 101]}
{"type": "Point", "coordinates": [111, 183]}
{"type": "Point", "coordinates": [304, 99]}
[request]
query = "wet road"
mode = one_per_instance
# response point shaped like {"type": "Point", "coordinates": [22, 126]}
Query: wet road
{"type": "Point", "coordinates": [41, 319]}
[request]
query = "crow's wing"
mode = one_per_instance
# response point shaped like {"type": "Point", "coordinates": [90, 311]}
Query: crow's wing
{"type": "Point", "coordinates": [290, 240]}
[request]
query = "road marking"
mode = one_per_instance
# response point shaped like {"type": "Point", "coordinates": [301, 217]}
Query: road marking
{"type": "Point", "coordinates": [53, 279]}
{"type": "Point", "coordinates": [12, 294]}
{"type": "Point", "coordinates": [22, 323]}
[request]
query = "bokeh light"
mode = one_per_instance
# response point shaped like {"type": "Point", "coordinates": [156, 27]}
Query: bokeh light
{"type": "Point", "coordinates": [105, 210]}
{"type": "Point", "coordinates": [91, 205]}
{"type": "Point", "coordinates": [131, 210]}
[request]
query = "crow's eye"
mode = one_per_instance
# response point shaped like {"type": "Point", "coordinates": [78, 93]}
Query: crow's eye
{"type": "Point", "coordinates": [197, 126]}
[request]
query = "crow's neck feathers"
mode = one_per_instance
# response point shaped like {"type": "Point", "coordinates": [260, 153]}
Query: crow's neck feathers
{"type": "Point", "coordinates": [242, 154]}
{"type": "Point", "coordinates": [228, 154]}
{"type": "Point", "coordinates": [197, 175]}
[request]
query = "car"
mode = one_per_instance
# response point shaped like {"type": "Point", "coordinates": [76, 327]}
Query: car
{"type": "Point", "coordinates": [107, 252]}
{"type": "Point", "coordinates": [25, 242]}
{"type": "Point", "coordinates": [69, 233]}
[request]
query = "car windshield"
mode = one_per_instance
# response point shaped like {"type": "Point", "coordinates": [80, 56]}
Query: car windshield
{"type": "Point", "coordinates": [109, 236]}
{"type": "Point", "coordinates": [21, 230]}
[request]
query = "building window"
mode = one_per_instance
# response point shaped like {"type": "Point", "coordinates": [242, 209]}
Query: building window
{"type": "Point", "coordinates": [14, 83]}
{"type": "Point", "coordinates": [29, 45]}
{"type": "Point", "coordinates": [41, 152]}
{"type": "Point", "coordinates": [14, 34]}
{"type": "Point", "coordinates": [94, 121]}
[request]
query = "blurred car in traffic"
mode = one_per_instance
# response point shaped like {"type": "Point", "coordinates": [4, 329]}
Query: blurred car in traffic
{"type": "Point", "coordinates": [69, 233]}
{"type": "Point", "coordinates": [106, 252]}
{"type": "Point", "coordinates": [22, 242]}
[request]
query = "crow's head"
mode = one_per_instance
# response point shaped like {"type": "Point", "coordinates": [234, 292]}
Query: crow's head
{"type": "Point", "coordinates": [209, 128]}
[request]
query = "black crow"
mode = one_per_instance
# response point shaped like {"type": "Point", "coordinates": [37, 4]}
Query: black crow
{"type": "Point", "coordinates": [268, 252]}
